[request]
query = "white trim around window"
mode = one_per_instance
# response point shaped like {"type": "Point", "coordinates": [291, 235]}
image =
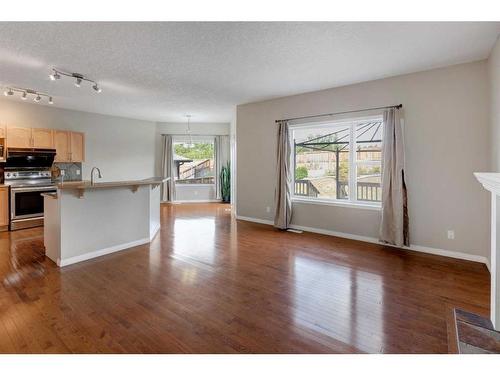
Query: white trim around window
{"type": "Point", "coordinates": [185, 138]}
{"type": "Point", "coordinates": [351, 202]}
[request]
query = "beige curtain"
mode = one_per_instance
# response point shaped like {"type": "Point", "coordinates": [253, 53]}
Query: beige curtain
{"type": "Point", "coordinates": [283, 199]}
{"type": "Point", "coordinates": [394, 223]}
{"type": "Point", "coordinates": [168, 170]}
{"type": "Point", "coordinates": [221, 151]}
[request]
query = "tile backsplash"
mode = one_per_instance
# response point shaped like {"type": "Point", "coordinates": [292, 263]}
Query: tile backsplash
{"type": "Point", "coordinates": [72, 171]}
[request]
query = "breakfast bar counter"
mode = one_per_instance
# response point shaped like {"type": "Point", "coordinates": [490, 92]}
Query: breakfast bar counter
{"type": "Point", "coordinates": [85, 220]}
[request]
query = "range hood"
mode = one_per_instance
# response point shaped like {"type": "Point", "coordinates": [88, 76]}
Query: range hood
{"type": "Point", "coordinates": [29, 158]}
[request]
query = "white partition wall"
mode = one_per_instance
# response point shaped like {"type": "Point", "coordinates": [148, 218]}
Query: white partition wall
{"type": "Point", "coordinates": [491, 182]}
{"type": "Point", "coordinates": [99, 222]}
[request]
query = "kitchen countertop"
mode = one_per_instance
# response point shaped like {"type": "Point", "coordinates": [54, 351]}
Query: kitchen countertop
{"type": "Point", "coordinates": [85, 185]}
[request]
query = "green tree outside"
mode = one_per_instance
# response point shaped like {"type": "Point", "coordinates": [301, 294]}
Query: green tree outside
{"type": "Point", "coordinates": [301, 173]}
{"type": "Point", "coordinates": [196, 151]}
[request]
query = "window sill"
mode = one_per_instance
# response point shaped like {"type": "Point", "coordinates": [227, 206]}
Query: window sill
{"type": "Point", "coordinates": [324, 202]}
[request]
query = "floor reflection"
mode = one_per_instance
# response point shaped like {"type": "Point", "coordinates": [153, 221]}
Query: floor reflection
{"type": "Point", "coordinates": [25, 263]}
{"type": "Point", "coordinates": [195, 238]}
{"type": "Point", "coordinates": [352, 298]}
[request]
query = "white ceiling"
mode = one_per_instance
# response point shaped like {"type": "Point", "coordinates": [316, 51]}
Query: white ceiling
{"type": "Point", "coordinates": [162, 71]}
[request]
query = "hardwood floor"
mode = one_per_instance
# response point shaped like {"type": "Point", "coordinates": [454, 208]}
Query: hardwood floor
{"type": "Point", "coordinates": [211, 284]}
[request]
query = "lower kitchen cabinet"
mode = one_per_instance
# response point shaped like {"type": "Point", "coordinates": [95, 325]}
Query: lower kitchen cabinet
{"type": "Point", "coordinates": [4, 207]}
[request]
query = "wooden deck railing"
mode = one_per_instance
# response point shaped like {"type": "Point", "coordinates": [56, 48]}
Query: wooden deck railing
{"type": "Point", "coordinates": [196, 171]}
{"type": "Point", "coordinates": [305, 188]}
{"type": "Point", "coordinates": [366, 191]}
{"type": "Point", "coordinates": [369, 191]}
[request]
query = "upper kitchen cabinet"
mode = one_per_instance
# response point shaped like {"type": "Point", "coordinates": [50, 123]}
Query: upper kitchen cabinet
{"type": "Point", "coordinates": [62, 146]}
{"type": "Point", "coordinates": [77, 147]}
{"type": "Point", "coordinates": [42, 138]}
{"type": "Point", "coordinates": [19, 137]}
{"type": "Point", "coordinates": [70, 146]}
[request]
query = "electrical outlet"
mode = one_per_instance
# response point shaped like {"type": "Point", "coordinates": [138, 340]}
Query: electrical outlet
{"type": "Point", "coordinates": [78, 172]}
{"type": "Point", "coordinates": [268, 209]}
{"type": "Point", "coordinates": [451, 234]}
{"type": "Point", "coordinates": [196, 192]}
{"type": "Point", "coordinates": [62, 172]}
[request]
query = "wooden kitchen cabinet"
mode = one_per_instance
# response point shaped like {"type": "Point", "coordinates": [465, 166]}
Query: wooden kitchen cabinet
{"type": "Point", "coordinates": [77, 147]}
{"type": "Point", "coordinates": [62, 146]}
{"type": "Point", "coordinates": [70, 146]}
{"type": "Point", "coordinates": [4, 207]}
{"type": "Point", "coordinates": [19, 137]}
{"type": "Point", "coordinates": [42, 138]}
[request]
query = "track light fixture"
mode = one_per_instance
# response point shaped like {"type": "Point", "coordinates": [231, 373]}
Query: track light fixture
{"type": "Point", "coordinates": [96, 88]}
{"type": "Point", "coordinates": [79, 78]}
{"type": "Point", "coordinates": [54, 76]}
{"type": "Point", "coordinates": [37, 95]}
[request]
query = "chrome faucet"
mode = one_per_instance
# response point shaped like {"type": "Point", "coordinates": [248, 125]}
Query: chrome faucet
{"type": "Point", "coordinates": [92, 175]}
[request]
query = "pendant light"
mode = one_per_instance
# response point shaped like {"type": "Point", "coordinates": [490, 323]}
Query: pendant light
{"type": "Point", "coordinates": [188, 131]}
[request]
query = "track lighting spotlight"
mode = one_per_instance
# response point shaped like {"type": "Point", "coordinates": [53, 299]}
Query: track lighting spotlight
{"type": "Point", "coordinates": [79, 78]}
{"type": "Point", "coordinates": [54, 76]}
{"type": "Point", "coordinates": [10, 91]}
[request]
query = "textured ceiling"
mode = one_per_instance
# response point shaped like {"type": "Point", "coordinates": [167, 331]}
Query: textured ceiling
{"type": "Point", "coordinates": [162, 71]}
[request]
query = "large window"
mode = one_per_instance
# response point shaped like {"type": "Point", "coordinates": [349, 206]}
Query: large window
{"type": "Point", "coordinates": [194, 162]}
{"type": "Point", "coordinates": [338, 161]}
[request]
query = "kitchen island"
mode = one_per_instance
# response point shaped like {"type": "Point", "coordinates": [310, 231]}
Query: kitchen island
{"type": "Point", "coordinates": [85, 220]}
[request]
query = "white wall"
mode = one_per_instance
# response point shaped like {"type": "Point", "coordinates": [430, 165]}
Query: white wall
{"type": "Point", "coordinates": [494, 79]}
{"type": "Point", "coordinates": [189, 192]}
{"type": "Point", "coordinates": [494, 76]}
{"type": "Point", "coordinates": [122, 148]}
{"type": "Point", "coordinates": [447, 139]}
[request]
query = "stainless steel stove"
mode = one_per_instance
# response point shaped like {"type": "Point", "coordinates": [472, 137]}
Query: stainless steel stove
{"type": "Point", "coordinates": [27, 172]}
{"type": "Point", "coordinates": [26, 201]}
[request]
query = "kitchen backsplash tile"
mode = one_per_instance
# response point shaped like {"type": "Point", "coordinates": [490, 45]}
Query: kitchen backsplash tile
{"type": "Point", "coordinates": [72, 171]}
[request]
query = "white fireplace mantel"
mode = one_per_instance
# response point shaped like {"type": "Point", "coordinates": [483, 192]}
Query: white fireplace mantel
{"type": "Point", "coordinates": [491, 182]}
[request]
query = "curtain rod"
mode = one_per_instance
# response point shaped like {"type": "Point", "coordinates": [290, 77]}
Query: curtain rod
{"type": "Point", "coordinates": [341, 113]}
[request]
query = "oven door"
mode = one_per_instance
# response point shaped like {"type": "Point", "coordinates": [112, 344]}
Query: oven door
{"type": "Point", "coordinates": [27, 202]}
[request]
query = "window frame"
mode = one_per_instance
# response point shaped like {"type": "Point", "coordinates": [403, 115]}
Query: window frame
{"type": "Point", "coordinates": [195, 139]}
{"type": "Point", "coordinates": [352, 201]}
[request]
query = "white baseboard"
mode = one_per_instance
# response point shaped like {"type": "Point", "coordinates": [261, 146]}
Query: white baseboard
{"type": "Point", "coordinates": [422, 249]}
{"type": "Point", "coordinates": [154, 232]}
{"type": "Point", "coordinates": [254, 220]}
{"type": "Point", "coordinates": [101, 252]}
